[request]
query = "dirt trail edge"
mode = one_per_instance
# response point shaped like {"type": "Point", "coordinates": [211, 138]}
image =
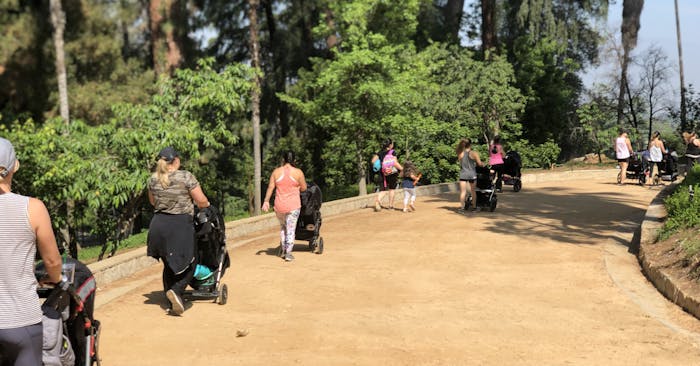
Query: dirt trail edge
{"type": "Point", "coordinates": [546, 279]}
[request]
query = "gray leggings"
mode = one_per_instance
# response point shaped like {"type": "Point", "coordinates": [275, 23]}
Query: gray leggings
{"type": "Point", "coordinates": [21, 346]}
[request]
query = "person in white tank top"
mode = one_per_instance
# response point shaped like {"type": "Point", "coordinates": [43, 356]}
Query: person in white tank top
{"type": "Point", "coordinates": [623, 151]}
{"type": "Point", "coordinates": [656, 155]}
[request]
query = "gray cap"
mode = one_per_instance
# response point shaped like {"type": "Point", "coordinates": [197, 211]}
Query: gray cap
{"type": "Point", "coordinates": [7, 157]}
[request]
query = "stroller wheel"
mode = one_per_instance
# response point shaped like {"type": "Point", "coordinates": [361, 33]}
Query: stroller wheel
{"type": "Point", "coordinates": [312, 245]}
{"type": "Point", "coordinates": [642, 179]}
{"type": "Point", "coordinates": [492, 204]}
{"type": "Point", "coordinates": [619, 177]}
{"type": "Point", "coordinates": [223, 295]}
{"type": "Point", "coordinates": [95, 358]}
{"type": "Point", "coordinates": [517, 185]}
{"type": "Point", "coordinates": [656, 180]}
{"type": "Point", "coordinates": [319, 247]}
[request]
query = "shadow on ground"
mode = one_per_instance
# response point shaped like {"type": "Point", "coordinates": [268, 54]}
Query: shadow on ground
{"type": "Point", "coordinates": [559, 213]}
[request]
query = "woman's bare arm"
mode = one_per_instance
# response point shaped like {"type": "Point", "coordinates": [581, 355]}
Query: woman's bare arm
{"type": "Point", "coordinates": [40, 221]}
{"type": "Point", "coordinates": [268, 194]}
{"type": "Point", "coordinates": [198, 197]}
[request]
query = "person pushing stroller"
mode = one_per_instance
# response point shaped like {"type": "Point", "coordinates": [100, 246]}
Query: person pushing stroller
{"type": "Point", "coordinates": [171, 238]}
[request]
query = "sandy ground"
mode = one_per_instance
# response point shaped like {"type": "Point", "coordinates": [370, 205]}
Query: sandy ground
{"type": "Point", "coordinates": [546, 279]}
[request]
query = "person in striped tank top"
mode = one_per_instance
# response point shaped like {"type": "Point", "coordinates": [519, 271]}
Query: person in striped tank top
{"type": "Point", "coordinates": [25, 226]}
{"type": "Point", "coordinates": [287, 181]}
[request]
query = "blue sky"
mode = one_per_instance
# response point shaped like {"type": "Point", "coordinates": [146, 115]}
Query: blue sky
{"type": "Point", "coordinates": [658, 27]}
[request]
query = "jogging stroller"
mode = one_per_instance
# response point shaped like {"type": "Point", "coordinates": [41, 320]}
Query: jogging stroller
{"type": "Point", "coordinates": [309, 223]}
{"type": "Point", "coordinates": [485, 190]}
{"type": "Point", "coordinates": [71, 333]}
{"type": "Point", "coordinates": [512, 165]}
{"type": "Point", "coordinates": [636, 169]}
{"type": "Point", "coordinates": [211, 257]}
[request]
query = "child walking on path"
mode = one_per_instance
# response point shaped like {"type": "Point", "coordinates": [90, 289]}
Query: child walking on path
{"type": "Point", "coordinates": [411, 176]}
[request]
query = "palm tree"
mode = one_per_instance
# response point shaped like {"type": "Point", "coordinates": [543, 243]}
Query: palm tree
{"type": "Point", "coordinates": [631, 12]}
{"type": "Point", "coordinates": [684, 123]}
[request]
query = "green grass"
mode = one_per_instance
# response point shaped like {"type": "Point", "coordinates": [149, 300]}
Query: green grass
{"type": "Point", "coordinates": [90, 254]}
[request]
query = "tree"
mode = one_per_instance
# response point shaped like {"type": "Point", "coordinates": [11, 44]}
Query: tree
{"type": "Point", "coordinates": [631, 12]}
{"type": "Point", "coordinates": [58, 20]}
{"type": "Point", "coordinates": [683, 115]}
{"type": "Point", "coordinates": [489, 38]}
{"type": "Point", "coordinates": [104, 169]}
{"type": "Point", "coordinates": [168, 21]}
{"type": "Point", "coordinates": [549, 42]}
{"type": "Point", "coordinates": [655, 69]}
{"type": "Point", "coordinates": [255, 104]}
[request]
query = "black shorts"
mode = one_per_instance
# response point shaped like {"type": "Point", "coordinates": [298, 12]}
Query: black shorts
{"type": "Point", "coordinates": [389, 182]}
{"type": "Point", "coordinates": [468, 180]}
{"type": "Point", "coordinates": [625, 160]}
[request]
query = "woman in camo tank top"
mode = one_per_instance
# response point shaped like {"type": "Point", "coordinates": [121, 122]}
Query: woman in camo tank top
{"type": "Point", "coordinates": [173, 193]}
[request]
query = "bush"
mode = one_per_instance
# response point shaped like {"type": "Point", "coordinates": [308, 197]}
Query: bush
{"type": "Point", "coordinates": [536, 156]}
{"type": "Point", "coordinates": [683, 209]}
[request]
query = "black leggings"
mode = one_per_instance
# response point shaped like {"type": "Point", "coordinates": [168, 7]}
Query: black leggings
{"type": "Point", "coordinates": [498, 168]}
{"type": "Point", "coordinates": [177, 282]}
{"type": "Point", "coordinates": [21, 346]}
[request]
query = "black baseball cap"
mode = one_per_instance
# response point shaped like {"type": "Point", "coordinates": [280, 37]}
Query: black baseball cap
{"type": "Point", "coordinates": [168, 154]}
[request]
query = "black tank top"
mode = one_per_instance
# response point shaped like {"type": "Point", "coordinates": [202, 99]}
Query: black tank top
{"type": "Point", "coordinates": [692, 149]}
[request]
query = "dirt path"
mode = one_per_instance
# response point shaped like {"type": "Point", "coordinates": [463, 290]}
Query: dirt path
{"type": "Point", "coordinates": [545, 280]}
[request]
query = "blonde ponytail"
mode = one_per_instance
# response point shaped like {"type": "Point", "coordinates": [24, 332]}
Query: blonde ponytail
{"type": "Point", "coordinates": [161, 173]}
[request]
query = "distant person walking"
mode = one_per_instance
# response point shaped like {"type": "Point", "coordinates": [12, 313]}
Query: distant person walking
{"type": "Point", "coordinates": [692, 149]}
{"type": "Point", "coordinates": [411, 176]}
{"type": "Point", "coordinates": [288, 182]}
{"type": "Point", "coordinates": [25, 226]}
{"type": "Point", "coordinates": [173, 193]}
{"type": "Point", "coordinates": [656, 156]}
{"type": "Point", "coordinates": [468, 161]}
{"type": "Point", "coordinates": [623, 151]}
{"type": "Point", "coordinates": [496, 156]}
{"type": "Point", "coordinates": [388, 174]}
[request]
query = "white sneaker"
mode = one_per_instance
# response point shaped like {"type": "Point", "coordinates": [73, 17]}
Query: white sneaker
{"type": "Point", "coordinates": [177, 307]}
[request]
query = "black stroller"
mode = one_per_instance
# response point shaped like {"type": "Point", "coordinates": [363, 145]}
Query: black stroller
{"type": "Point", "coordinates": [485, 190]}
{"type": "Point", "coordinates": [512, 166]}
{"type": "Point", "coordinates": [309, 223]}
{"type": "Point", "coordinates": [71, 333]}
{"type": "Point", "coordinates": [636, 169]}
{"type": "Point", "coordinates": [211, 257]}
{"type": "Point", "coordinates": [668, 169]}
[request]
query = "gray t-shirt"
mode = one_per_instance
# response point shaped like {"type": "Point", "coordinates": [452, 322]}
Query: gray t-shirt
{"type": "Point", "coordinates": [467, 167]}
{"type": "Point", "coordinates": [175, 199]}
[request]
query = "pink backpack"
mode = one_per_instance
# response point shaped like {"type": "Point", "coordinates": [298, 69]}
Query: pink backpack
{"type": "Point", "coordinates": [388, 162]}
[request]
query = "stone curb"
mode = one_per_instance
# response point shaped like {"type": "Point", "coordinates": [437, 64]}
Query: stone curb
{"type": "Point", "coordinates": [659, 277]}
{"type": "Point", "coordinates": [123, 265]}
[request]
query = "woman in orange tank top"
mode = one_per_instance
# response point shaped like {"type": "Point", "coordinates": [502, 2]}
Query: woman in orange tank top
{"type": "Point", "coordinates": [287, 181]}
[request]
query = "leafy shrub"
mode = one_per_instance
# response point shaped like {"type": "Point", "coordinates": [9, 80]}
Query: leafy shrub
{"type": "Point", "coordinates": [683, 209]}
{"type": "Point", "coordinates": [536, 156]}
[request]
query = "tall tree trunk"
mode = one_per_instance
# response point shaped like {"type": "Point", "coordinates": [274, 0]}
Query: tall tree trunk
{"type": "Point", "coordinates": [165, 47]}
{"type": "Point", "coordinates": [452, 13]}
{"type": "Point", "coordinates": [684, 121]}
{"type": "Point", "coordinates": [58, 20]}
{"type": "Point", "coordinates": [255, 100]}
{"type": "Point", "coordinates": [488, 27]}
{"type": "Point", "coordinates": [631, 12]}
